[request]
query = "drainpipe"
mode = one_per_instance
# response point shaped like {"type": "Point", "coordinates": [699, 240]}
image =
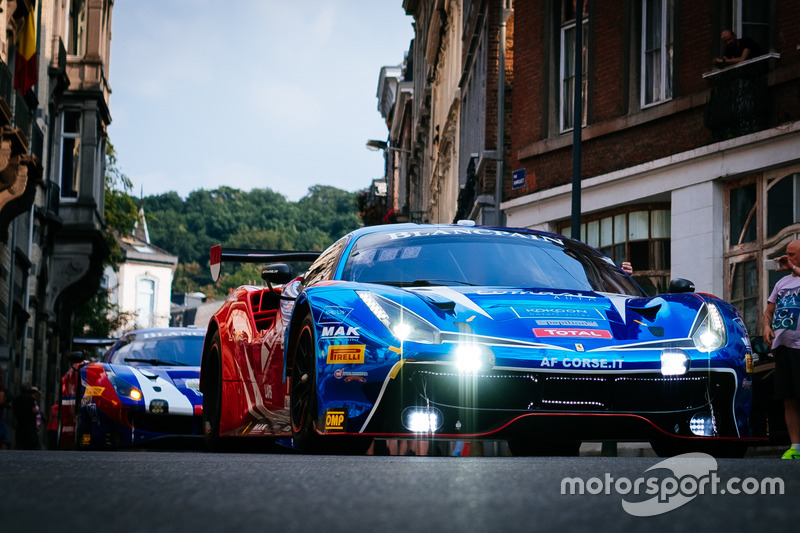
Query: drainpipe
{"type": "Point", "coordinates": [501, 110]}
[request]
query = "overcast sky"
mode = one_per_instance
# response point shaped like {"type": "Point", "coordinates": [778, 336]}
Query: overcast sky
{"type": "Point", "coordinates": [271, 94]}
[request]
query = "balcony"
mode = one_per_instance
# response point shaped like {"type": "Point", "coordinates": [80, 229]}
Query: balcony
{"type": "Point", "coordinates": [740, 98]}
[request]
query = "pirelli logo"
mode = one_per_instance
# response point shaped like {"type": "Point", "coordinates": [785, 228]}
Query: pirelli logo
{"type": "Point", "coordinates": [346, 354]}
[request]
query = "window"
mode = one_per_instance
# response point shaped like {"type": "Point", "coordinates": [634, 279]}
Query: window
{"type": "Point", "coordinates": [783, 203]}
{"type": "Point", "coordinates": [76, 29]}
{"type": "Point", "coordinates": [744, 292]}
{"type": "Point", "coordinates": [70, 153]}
{"type": "Point", "coordinates": [567, 89]}
{"type": "Point", "coordinates": [641, 236]}
{"type": "Point", "coordinates": [656, 51]}
{"type": "Point", "coordinates": [145, 302]}
{"type": "Point", "coordinates": [751, 19]}
{"type": "Point", "coordinates": [743, 220]}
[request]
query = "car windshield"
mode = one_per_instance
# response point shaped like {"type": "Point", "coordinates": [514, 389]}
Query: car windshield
{"type": "Point", "coordinates": [159, 348]}
{"type": "Point", "coordinates": [483, 257]}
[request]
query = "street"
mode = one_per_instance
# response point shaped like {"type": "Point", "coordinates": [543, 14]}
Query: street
{"type": "Point", "coordinates": [175, 491]}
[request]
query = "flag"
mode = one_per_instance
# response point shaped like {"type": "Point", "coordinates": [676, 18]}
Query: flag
{"type": "Point", "coordinates": [26, 69]}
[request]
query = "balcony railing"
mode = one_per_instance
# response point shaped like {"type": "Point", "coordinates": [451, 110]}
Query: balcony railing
{"type": "Point", "coordinates": [740, 99]}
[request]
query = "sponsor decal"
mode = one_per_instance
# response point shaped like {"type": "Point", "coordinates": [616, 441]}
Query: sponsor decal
{"type": "Point", "coordinates": [574, 323]}
{"type": "Point", "coordinates": [443, 232]}
{"type": "Point", "coordinates": [335, 420]}
{"type": "Point", "coordinates": [573, 333]}
{"type": "Point", "coordinates": [579, 347]}
{"type": "Point", "coordinates": [557, 313]}
{"type": "Point", "coordinates": [94, 390]}
{"type": "Point", "coordinates": [521, 292]}
{"type": "Point", "coordinates": [346, 354]}
{"type": "Point", "coordinates": [334, 315]}
{"type": "Point", "coordinates": [581, 362]}
{"type": "Point", "coordinates": [348, 332]}
{"type": "Point", "coordinates": [340, 373]}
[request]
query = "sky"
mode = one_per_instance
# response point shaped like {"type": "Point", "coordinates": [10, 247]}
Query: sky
{"type": "Point", "coordinates": [251, 94]}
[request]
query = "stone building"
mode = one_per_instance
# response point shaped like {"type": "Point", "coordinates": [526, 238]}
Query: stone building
{"type": "Point", "coordinates": [52, 153]}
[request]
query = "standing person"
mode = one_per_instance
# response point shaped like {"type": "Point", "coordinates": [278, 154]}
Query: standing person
{"type": "Point", "coordinates": [781, 331]}
{"type": "Point", "coordinates": [26, 412]}
{"type": "Point", "coordinates": [4, 442]}
{"type": "Point", "coordinates": [737, 50]}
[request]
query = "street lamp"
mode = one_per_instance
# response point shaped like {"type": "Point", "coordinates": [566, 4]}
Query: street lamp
{"type": "Point", "coordinates": [375, 145]}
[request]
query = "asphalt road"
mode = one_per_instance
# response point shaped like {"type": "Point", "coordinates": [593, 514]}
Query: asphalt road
{"type": "Point", "coordinates": [177, 491]}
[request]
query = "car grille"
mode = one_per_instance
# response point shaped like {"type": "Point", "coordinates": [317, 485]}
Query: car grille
{"type": "Point", "coordinates": [540, 391]}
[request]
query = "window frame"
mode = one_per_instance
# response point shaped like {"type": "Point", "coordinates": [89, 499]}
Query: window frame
{"type": "Point", "coordinates": [567, 108]}
{"type": "Point", "coordinates": [76, 168]}
{"type": "Point", "coordinates": [666, 66]}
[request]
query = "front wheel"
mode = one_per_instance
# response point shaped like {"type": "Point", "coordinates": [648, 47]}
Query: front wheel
{"type": "Point", "coordinates": [303, 403]}
{"type": "Point", "coordinates": [212, 395]}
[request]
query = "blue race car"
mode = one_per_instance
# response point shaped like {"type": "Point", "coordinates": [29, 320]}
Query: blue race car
{"type": "Point", "coordinates": [146, 387]}
{"type": "Point", "coordinates": [464, 332]}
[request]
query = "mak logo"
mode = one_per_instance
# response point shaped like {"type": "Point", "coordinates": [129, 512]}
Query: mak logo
{"type": "Point", "coordinates": [339, 331]}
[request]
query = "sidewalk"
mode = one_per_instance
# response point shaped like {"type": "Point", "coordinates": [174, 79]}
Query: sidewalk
{"type": "Point", "coordinates": [643, 449]}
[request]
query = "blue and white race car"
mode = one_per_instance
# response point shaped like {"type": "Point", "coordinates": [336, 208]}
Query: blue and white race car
{"type": "Point", "coordinates": [464, 332]}
{"type": "Point", "coordinates": [146, 387]}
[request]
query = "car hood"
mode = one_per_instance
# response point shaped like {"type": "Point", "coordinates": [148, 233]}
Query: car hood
{"type": "Point", "coordinates": [547, 316]}
{"type": "Point", "coordinates": [179, 386]}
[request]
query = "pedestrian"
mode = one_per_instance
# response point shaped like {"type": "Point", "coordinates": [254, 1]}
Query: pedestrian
{"type": "Point", "coordinates": [27, 416]}
{"type": "Point", "coordinates": [781, 331]}
{"type": "Point", "coordinates": [4, 402]}
{"type": "Point", "coordinates": [737, 50]}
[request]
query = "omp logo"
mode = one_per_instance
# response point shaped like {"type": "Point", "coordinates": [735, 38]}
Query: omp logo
{"type": "Point", "coordinates": [346, 354]}
{"type": "Point", "coordinates": [334, 420]}
{"type": "Point", "coordinates": [341, 331]}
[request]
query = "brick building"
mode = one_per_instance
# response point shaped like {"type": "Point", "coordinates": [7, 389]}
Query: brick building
{"type": "Point", "coordinates": [687, 170]}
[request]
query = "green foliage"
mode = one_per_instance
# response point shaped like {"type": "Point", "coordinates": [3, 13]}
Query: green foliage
{"type": "Point", "coordinates": [259, 219]}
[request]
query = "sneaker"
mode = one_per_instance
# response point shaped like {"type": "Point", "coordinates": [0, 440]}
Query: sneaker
{"type": "Point", "coordinates": [791, 453]}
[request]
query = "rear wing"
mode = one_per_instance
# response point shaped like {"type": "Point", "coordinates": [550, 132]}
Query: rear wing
{"type": "Point", "coordinates": [238, 255]}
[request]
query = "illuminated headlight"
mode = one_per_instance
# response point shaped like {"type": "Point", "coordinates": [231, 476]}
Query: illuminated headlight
{"type": "Point", "coordinates": [404, 324]}
{"type": "Point", "coordinates": [702, 424]}
{"type": "Point", "coordinates": [674, 362]}
{"type": "Point", "coordinates": [710, 335]}
{"type": "Point", "coordinates": [422, 420]}
{"type": "Point", "coordinates": [123, 388]}
{"type": "Point", "coordinates": [470, 358]}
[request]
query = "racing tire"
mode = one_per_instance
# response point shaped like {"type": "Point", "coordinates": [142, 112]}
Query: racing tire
{"type": "Point", "coordinates": [536, 448]}
{"type": "Point", "coordinates": [303, 403]}
{"type": "Point", "coordinates": [212, 396]}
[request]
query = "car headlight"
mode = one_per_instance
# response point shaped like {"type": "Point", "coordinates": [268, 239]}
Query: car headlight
{"type": "Point", "coordinates": [710, 334]}
{"type": "Point", "coordinates": [404, 324]}
{"type": "Point", "coordinates": [674, 362]}
{"type": "Point", "coordinates": [123, 388]}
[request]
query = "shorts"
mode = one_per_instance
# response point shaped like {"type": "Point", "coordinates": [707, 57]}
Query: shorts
{"type": "Point", "coordinates": [3, 432]}
{"type": "Point", "coordinates": [787, 372]}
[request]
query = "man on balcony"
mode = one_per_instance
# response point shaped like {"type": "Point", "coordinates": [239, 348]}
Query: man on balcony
{"type": "Point", "coordinates": [737, 50]}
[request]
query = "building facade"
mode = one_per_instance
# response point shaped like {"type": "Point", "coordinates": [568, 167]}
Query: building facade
{"type": "Point", "coordinates": [53, 147]}
{"type": "Point", "coordinates": [687, 169]}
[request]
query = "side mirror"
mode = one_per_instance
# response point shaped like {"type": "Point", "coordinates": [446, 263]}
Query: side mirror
{"type": "Point", "coordinates": [278, 273]}
{"type": "Point", "coordinates": [76, 357]}
{"type": "Point", "coordinates": [681, 285]}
